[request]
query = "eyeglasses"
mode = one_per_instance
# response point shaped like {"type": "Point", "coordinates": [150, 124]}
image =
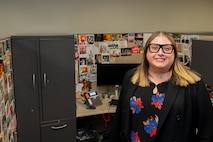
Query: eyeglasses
{"type": "Point", "coordinates": [166, 48]}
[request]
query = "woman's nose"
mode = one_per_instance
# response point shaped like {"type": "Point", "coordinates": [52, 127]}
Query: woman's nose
{"type": "Point", "coordinates": [160, 51]}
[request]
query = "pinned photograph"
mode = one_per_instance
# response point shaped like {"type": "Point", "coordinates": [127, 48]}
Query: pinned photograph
{"type": "Point", "coordinates": [105, 58]}
{"type": "Point", "coordinates": [82, 39]}
{"type": "Point", "coordinates": [90, 39]}
{"type": "Point", "coordinates": [82, 49]}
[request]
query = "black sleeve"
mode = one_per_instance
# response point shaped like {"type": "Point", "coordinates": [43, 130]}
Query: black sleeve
{"type": "Point", "coordinates": [204, 113]}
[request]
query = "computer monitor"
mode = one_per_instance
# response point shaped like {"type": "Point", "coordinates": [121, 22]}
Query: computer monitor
{"type": "Point", "coordinates": [112, 74]}
{"type": "Point", "coordinates": [202, 59]}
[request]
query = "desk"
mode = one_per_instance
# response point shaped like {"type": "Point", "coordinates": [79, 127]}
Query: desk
{"type": "Point", "coordinates": [94, 119]}
{"type": "Point", "coordinates": [82, 111]}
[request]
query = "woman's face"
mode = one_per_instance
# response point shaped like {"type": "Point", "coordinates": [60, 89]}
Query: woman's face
{"type": "Point", "coordinates": [160, 61]}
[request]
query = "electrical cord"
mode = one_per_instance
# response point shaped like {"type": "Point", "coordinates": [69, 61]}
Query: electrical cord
{"type": "Point", "coordinates": [106, 120]}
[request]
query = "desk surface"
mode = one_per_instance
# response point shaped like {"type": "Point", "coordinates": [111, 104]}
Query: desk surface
{"type": "Point", "coordinates": [81, 108]}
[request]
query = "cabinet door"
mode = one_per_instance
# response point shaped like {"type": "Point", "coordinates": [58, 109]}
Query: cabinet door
{"type": "Point", "coordinates": [59, 132]}
{"type": "Point", "coordinates": [24, 58]}
{"type": "Point", "coordinates": [57, 73]}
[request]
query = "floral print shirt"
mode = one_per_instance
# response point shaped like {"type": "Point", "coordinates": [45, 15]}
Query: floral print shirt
{"type": "Point", "coordinates": [146, 104]}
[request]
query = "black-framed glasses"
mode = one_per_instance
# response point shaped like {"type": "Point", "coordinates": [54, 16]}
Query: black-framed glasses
{"type": "Point", "coordinates": [167, 48]}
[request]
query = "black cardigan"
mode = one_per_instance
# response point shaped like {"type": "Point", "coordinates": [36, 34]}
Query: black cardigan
{"type": "Point", "coordinates": [185, 109]}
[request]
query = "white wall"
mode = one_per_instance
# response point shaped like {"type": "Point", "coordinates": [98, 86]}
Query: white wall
{"type": "Point", "coordinates": [104, 16]}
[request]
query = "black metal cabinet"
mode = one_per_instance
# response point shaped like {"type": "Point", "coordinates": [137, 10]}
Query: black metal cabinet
{"type": "Point", "coordinates": [43, 70]}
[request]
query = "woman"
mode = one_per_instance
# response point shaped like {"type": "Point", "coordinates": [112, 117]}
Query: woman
{"type": "Point", "coordinates": [163, 100]}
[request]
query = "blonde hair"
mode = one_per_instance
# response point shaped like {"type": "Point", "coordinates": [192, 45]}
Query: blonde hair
{"type": "Point", "coordinates": [181, 75]}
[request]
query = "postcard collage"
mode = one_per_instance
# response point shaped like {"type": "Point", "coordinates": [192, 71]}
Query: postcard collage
{"type": "Point", "coordinates": [7, 102]}
{"type": "Point", "coordinates": [91, 49]}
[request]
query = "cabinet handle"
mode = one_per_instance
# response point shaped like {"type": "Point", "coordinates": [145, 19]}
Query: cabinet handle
{"type": "Point", "coordinates": [59, 127]}
{"type": "Point", "coordinates": [34, 82]}
{"type": "Point", "coordinates": [45, 80]}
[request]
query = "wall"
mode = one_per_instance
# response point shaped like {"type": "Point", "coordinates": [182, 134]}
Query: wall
{"type": "Point", "coordinates": [104, 16]}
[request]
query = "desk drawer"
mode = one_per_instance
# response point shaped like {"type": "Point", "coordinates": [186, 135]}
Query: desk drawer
{"type": "Point", "coordinates": [63, 131]}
